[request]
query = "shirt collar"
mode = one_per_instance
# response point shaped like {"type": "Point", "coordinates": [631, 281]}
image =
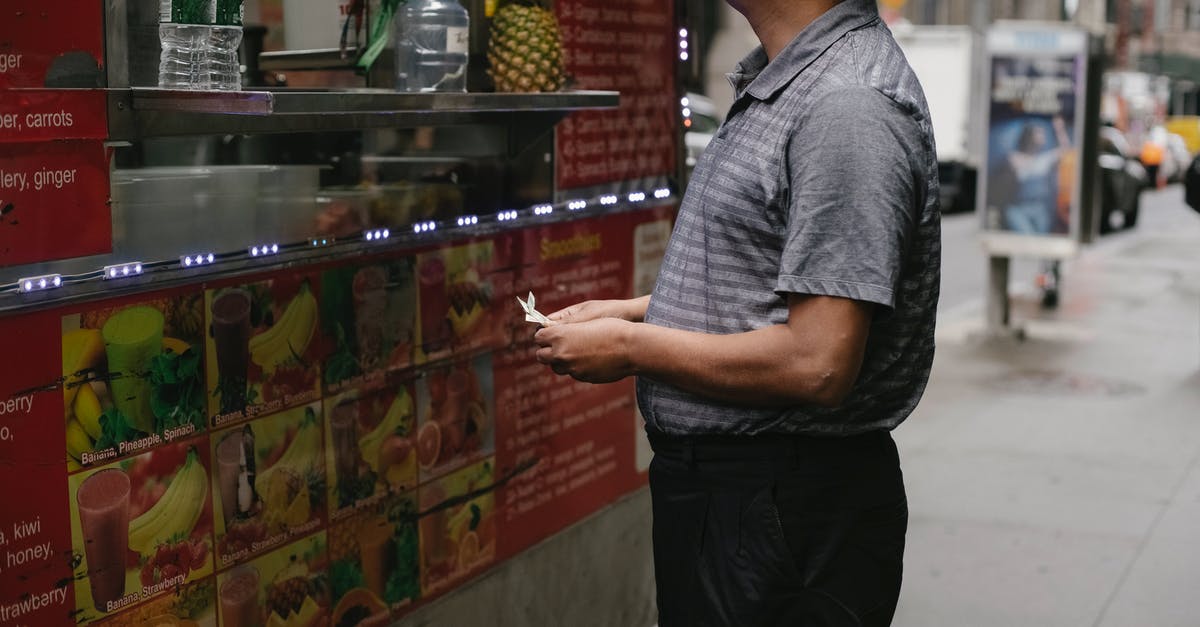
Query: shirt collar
{"type": "Point", "coordinates": [762, 80]}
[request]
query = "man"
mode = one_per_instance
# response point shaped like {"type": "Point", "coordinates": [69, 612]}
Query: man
{"type": "Point", "coordinates": [790, 331]}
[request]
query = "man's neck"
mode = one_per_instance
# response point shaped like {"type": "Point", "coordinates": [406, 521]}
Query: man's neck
{"type": "Point", "coordinates": [777, 22]}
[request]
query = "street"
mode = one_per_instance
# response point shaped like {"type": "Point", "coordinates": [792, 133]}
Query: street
{"type": "Point", "coordinates": [1055, 480]}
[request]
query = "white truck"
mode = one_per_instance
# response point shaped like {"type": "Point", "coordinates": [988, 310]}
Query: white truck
{"type": "Point", "coordinates": [948, 60]}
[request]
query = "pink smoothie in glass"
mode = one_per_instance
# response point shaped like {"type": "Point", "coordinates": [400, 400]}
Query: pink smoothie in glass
{"type": "Point", "coordinates": [103, 500]}
{"type": "Point", "coordinates": [229, 465]}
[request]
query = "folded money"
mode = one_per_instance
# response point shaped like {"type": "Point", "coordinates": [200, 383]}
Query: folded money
{"type": "Point", "coordinates": [531, 314]}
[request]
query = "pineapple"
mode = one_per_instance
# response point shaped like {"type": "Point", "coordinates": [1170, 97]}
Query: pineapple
{"type": "Point", "coordinates": [525, 50]}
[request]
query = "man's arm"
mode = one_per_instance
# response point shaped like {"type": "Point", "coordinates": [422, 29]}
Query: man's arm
{"type": "Point", "coordinates": [633, 310]}
{"type": "Point", "coordinates": [814, 359]}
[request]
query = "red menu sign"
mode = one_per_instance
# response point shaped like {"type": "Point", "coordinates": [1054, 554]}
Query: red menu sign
{"type": "Point", "coordinates": [53, 201]}
{"type": "Point", "coordinates": [316, 447]}
{"type": "Point", "coordinates": [46, 43]}
{"type": "Point", "coordinates": [626, 46]}
{"type": "Point", "coordinates": [28, 115]}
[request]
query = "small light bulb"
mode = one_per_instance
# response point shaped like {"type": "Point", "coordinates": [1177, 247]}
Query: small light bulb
{"type": "Point", "coordinates": [210, 257]}
{"type": "Point", "coordinates": [28, 285]}
{"type": "Point", "coordinates": [57, 281]}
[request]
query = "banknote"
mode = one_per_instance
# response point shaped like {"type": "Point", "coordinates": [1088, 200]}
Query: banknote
{"type": "Point", "coordinates": [531, 313]}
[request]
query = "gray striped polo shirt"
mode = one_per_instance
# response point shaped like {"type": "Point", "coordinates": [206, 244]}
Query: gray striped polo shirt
{"type": "Point", "coordinates": [822, 181]}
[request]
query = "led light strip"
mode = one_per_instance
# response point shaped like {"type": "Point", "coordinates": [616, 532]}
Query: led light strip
{"type": "Point", "coordinates": [122, 270]}
{"type": "Point", "coordinates": [42, 283]}
{"type": "Point", "coordinates": [132, 269]}
{"type": "Point", "coordinates": [201, 259]}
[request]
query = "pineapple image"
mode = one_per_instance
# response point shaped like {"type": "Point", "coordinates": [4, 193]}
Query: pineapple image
{"type": "Point", "coordinates": [525, 50]}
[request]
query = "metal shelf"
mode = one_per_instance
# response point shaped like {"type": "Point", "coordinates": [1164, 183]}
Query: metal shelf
{"type": "Point", "coordinates": [141, 113]}
{"type": "Point", "coordinates": [308, 60]}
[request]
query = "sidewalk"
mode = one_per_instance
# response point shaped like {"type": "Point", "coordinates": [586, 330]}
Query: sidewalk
{"type": "Point", "coordinates": [1056, 481]}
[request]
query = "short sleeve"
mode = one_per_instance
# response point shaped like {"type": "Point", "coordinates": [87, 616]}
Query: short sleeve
{"type": "Point", "coordinates": [856, 180]}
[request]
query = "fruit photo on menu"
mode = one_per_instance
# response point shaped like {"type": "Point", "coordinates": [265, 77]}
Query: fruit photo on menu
{"type": "Point", "coordinates": [373, 562]}
{"type": "Point", "coordinates": [288, 587]}
{"type": "Point", "coordinates": [131, 372]}
{"type": "Point", "coordinates": [260, 347]}
{"type": "Point", "coordinates": [456, 304]}
{"type": "Point", "coordinates": [368, 315]}
{"type": "Point", "coordinates": [455, 415]}
{"type": "Point", "coordinates": [370, 443]}
{"type": "Point", "coordinates": [140, 528]}
{"type": "Point", "coordinates": [269, 482]}
{"type": "Point", "coordinates": [457, 526]}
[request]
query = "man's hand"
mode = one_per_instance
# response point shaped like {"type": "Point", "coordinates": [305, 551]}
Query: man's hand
{"type": "Point", "coordinates": [631, 310]}
{"type": "Point", "coordinates": [595, 351]}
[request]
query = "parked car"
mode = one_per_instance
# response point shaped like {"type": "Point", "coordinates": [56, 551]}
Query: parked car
{"type": "Point", "coordinates": [1122, 179]}
{"type": "Point", "coordinates": [1187, 127]}
{"type": "Point", "coordinates": [1191, 185]}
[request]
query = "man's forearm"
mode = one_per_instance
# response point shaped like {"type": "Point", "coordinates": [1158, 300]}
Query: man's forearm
{"type": "Point", "coordinates": [637, 308]}
{"type": "Point", "coordinates": [770, 367]}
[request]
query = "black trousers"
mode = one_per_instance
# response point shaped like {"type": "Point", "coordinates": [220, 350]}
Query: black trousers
{"type": "Point", "coordinates": [774, 531]}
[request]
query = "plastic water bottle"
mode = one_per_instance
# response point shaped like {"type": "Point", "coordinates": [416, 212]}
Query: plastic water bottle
{"type": "Point", "coordinates": [431, 46]}
{"type": "Point", "coordinates": [184, 33]}
{"type": "Point", "coordinates": [224, 68]}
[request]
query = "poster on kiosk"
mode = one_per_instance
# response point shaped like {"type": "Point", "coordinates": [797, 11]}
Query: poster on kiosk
{"type": "Point", "coordinates": [1030, 196]}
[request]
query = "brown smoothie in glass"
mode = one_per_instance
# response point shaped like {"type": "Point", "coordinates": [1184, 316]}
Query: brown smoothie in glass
{"type": "Point", "coordinates": [378, 554]}
{"type": "Point", "coordinates": [231, 338]}
{"type": "Point", "coordinates": [344, 428]}
{"type": "Point", "coordinates": [239, 599]}
{"type": "Point", "coordinates": [103, 501]}
{"type": "Point", "coordinates": [434, 305]}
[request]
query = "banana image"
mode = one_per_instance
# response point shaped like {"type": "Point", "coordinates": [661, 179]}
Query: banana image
{"type": "Point", "coordinates": [78, 441]}
{"type": "Point", "coordinates": [88, 411]}
{"type": "Point", "coordinates": [301, 455]}
{"type": "Point", "coordinates": [291, 334]}
{"type": "Point", "coordinates": [397, 416]}
{"type": "Point", "coordinates": [176, 513]}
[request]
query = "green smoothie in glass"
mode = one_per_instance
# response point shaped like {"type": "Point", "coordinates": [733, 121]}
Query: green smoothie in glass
{"type": "Point", "coordinates": [132, 338]}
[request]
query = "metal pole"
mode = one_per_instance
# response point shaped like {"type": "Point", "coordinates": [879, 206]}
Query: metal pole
{"type": "Point", "coordinates": [997, 296]}
{"type": "Point", "coordinates": [981, 15]}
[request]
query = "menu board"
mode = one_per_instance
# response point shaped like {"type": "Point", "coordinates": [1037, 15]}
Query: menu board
{"type": "Point", "coordinates": [58, 43]}
{"type": "Point", "coordinates": [53, 200]}
{"type": "Point", "coordinates": [334, 445]}
{"type": "Point", "coordinates": [627, 46]}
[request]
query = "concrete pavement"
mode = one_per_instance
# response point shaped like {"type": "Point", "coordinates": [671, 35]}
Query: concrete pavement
{"type": "Point", "coordinates": [1055, 481]}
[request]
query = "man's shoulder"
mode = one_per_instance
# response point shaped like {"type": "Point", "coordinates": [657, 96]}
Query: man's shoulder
{"type": "Point", "coordinates": [864, 73]}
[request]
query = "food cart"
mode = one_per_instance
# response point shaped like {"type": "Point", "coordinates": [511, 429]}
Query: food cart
{"type": "Point", "coordinates": [265, 365]}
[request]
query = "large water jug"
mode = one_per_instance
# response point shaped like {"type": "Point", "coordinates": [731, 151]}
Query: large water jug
{"type": "Point", "coordinates": [431, 46]}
